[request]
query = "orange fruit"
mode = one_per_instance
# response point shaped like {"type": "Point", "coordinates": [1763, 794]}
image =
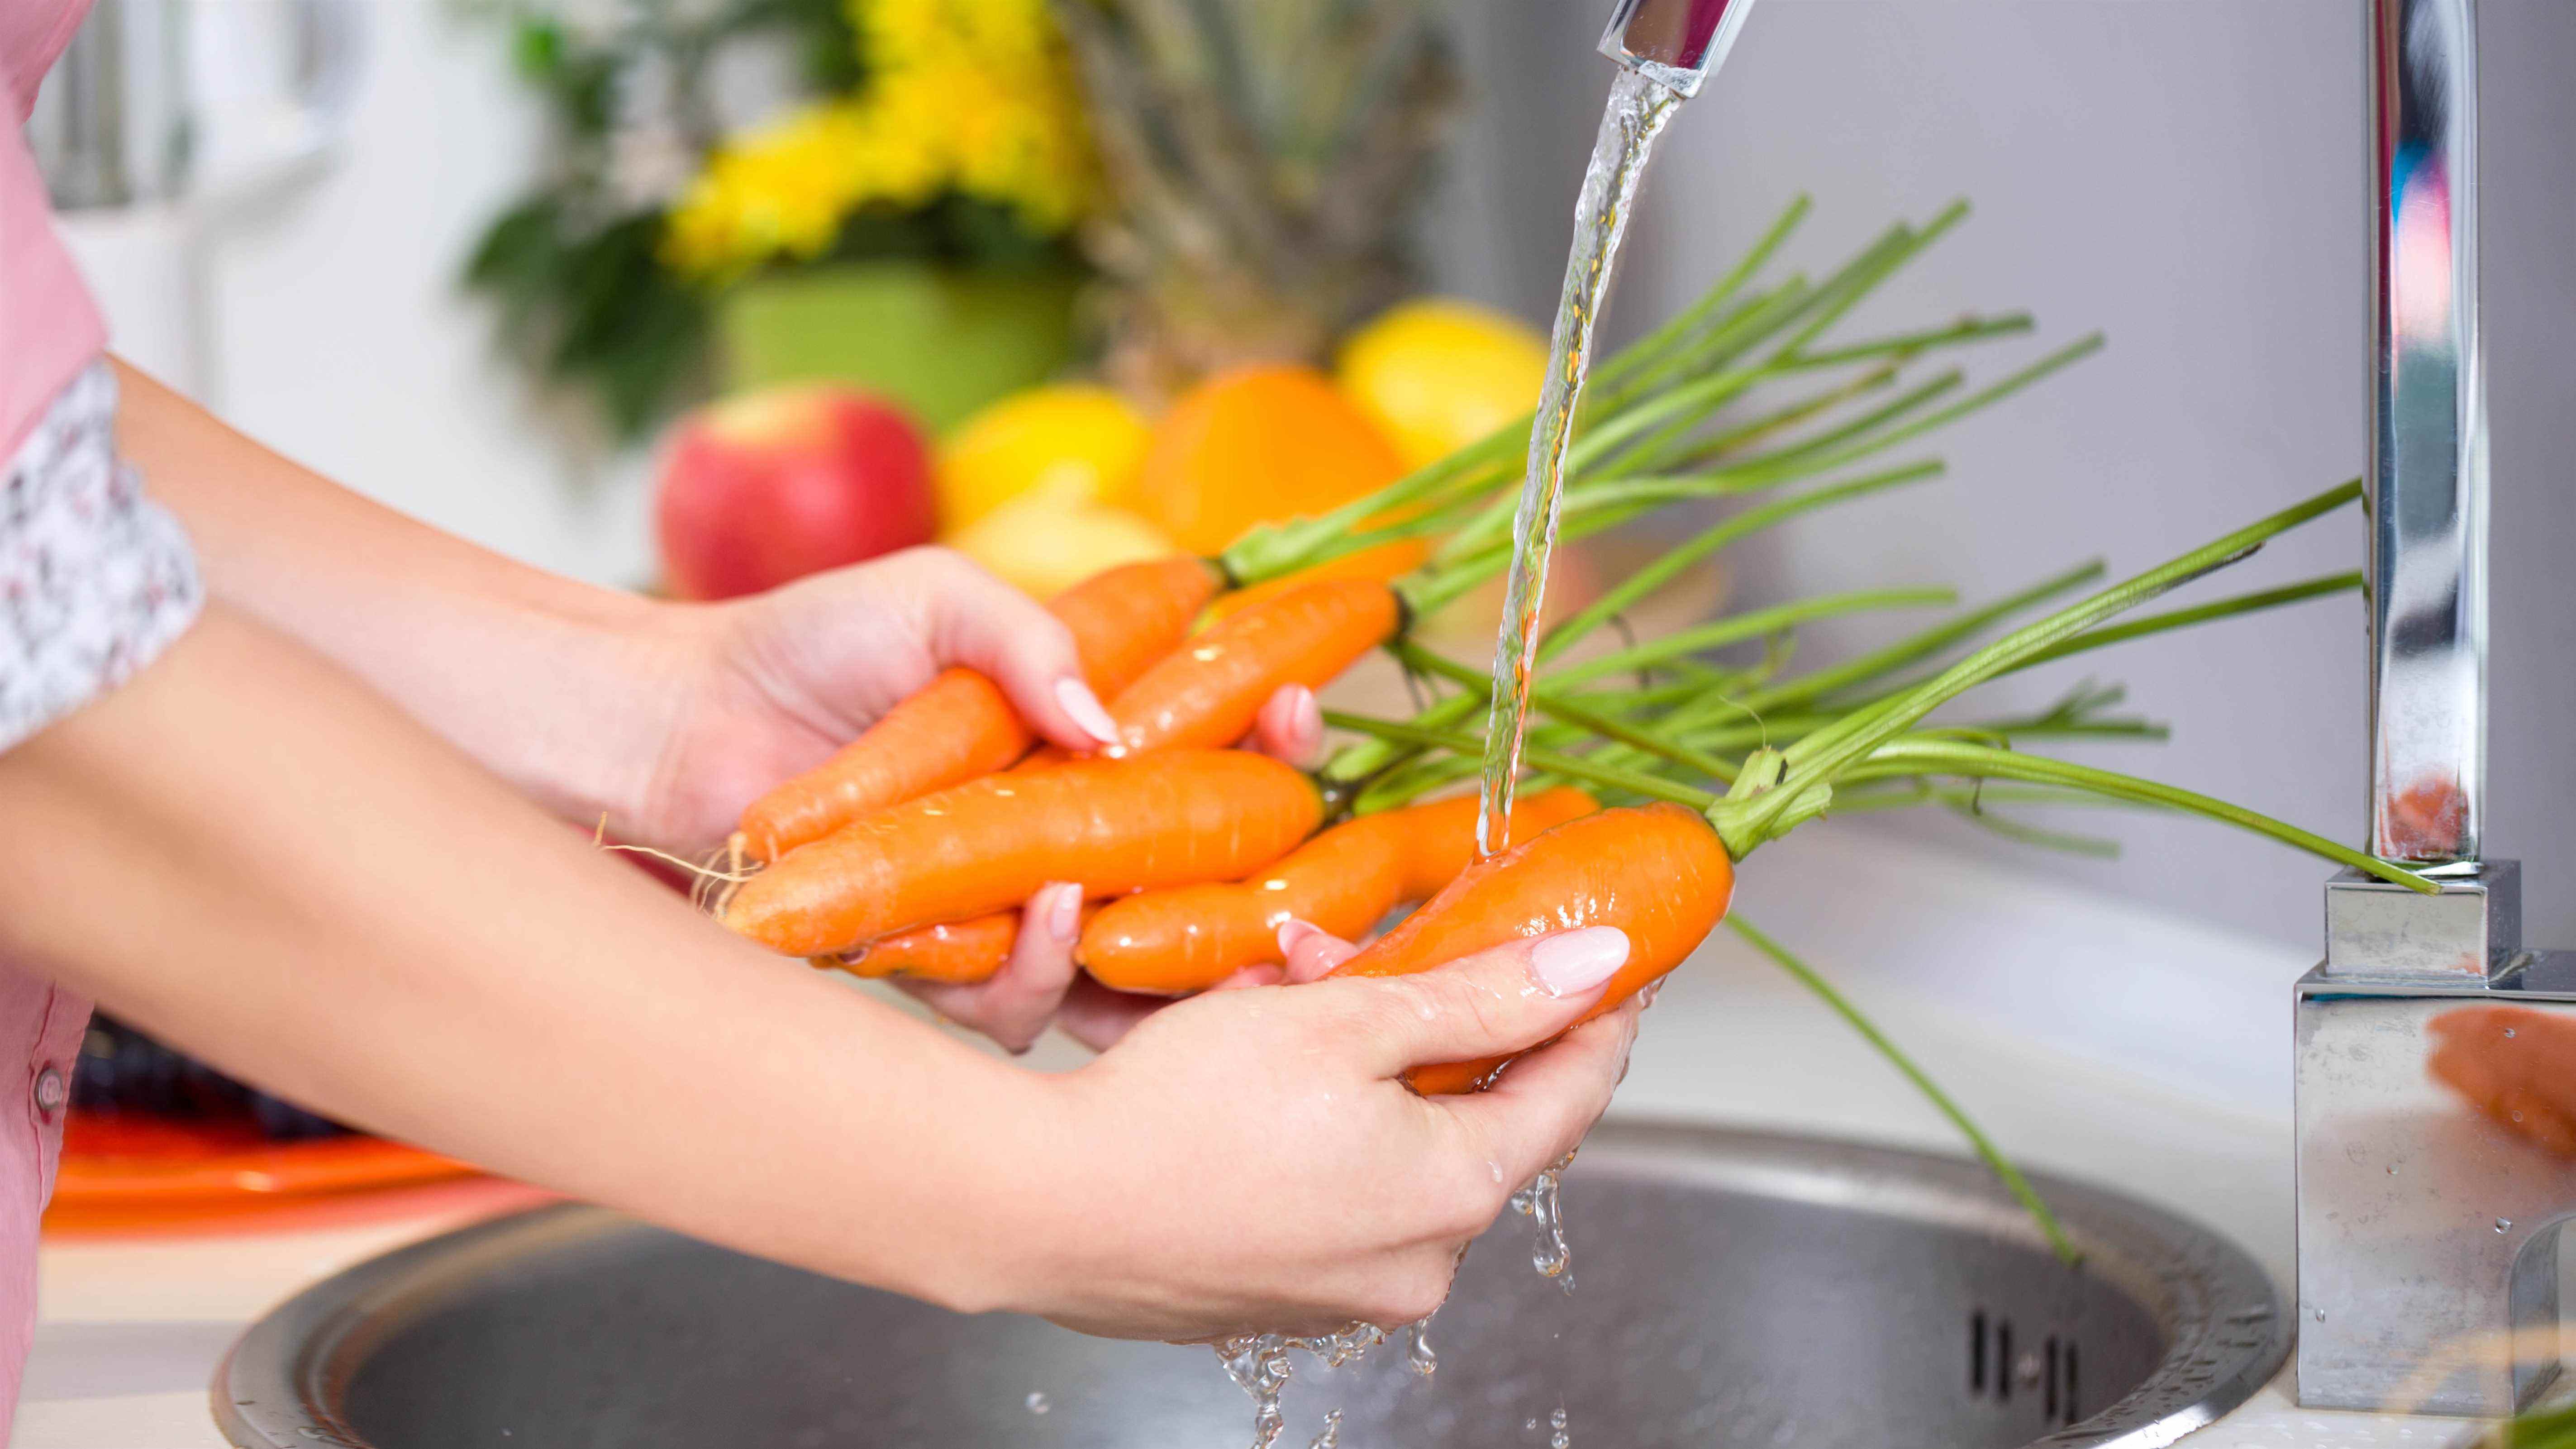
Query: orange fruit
{"type": "Point", "coordinates": [1257, 445]}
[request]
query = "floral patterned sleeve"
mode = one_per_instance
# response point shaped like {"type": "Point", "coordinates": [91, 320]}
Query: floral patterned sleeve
{"type": "Point", "coordinates": [95, 580]}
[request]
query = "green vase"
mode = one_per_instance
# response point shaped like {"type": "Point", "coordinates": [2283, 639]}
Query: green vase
{"type": "Point", "coordinates": [942, 341]}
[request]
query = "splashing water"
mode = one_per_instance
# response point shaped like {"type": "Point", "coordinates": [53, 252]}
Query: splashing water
{"type": "Point", "coordinates": [1259, 1365]}
{"type": "Point", "coordinates": [1539, 1202]}
{"type": "Point", "coordinates": [1635, 116]}
{"type": "Point", "coordinates": [1419, 1355]}
{"type": "Point", "coordinates": [1557, 1437]}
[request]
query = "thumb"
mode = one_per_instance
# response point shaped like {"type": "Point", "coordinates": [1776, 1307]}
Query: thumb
{"type": "Point", "coordinates": [1505, 999]}
{"type": "Point", "coordinates": [976, 620]}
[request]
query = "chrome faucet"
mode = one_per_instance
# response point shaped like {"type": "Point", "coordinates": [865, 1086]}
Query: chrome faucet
{"type": "Point", "coordinates": [2431, 1183]}
{"type": "Point", "coordinates": [1679, 43]}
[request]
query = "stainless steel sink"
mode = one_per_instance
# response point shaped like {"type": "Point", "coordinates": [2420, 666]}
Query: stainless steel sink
{"type": "Point", "coordinates": [1733, 1289]}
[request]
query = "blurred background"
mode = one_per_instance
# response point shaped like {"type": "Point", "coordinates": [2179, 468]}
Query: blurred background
{"type": "Point", "coordinates": [481, 260]}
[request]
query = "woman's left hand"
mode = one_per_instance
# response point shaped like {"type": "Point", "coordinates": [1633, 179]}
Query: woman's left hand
{"type": "Point", "coordinates": [768, 687]}
{"type": "Point", "coordinates": [761, 689]}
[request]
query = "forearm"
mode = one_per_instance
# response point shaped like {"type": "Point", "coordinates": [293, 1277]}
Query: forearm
{"type": "Point", "coordinates": [252, 857]}
{"type": "Point", "coordinates": [530, 673]}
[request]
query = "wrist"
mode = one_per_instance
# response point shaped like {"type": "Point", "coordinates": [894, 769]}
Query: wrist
{"type": "Point", "coordinates": [1024, 1237]}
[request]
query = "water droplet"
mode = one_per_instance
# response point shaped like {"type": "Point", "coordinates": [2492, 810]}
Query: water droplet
{"type": "Point", "coordinates": [1419, 1355]}
{"type": "Point", "coordinates": [2321, 1315]}
{"type": "Point", "coordinates": [2503, 1223]}
{"type": "Point", "coordinates": [1038, 1403]}
{"type": "Point", "coordinates": [2392, 1169]}
{"type": "Point", "coordinates": [1332, 1435]}
{"type": "Point", "coordinates": [2508, 1031]}
{"type": "Point", "coordinates": [1557, 1437]}
{"type": "Point", "coordinates": [1539, 1202]}
{"type": "Point", "coordinates": [1530, 1426]}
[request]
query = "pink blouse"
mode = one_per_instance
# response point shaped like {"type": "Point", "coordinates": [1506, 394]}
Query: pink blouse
{"type": "Point", "coordinates": [48, 328]}
{"type": "Point", "coordinates": [62, 500]}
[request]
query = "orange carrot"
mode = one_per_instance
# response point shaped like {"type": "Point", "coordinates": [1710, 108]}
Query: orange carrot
{"type": "Point", "coordinates": [1344, 880]}
{"type": "Point", "coordinates": [1206, 693]}
{"type": "Point", "coordinates": [1386, 563]}
{"type": "Point", "coordinates": [959, 953]}
{"type": "Point", "coordinates": [1657, 872]}
{"type": "Point", "coordinates": [961, 725]}
{"type": "Point", "coordinates": [1112, 826]}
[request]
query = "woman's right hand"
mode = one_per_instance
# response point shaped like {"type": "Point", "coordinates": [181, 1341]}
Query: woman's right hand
{"type": "Point", "coordinates": [1252, 1159]}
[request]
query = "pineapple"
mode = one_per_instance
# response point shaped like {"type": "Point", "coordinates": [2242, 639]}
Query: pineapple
{"type": "Point", "coordinates": [1262, 159]}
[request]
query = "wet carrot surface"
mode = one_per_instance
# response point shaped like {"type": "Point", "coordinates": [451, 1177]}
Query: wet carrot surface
{"type": "Point", "coordinates": [1344, 881]}
{"type": "Point", "coordinates": [961, 725]}
{"type": "Point", "coordinates": [1657, 872]}
{"type": "Point", "coordinates": [1166, 819]}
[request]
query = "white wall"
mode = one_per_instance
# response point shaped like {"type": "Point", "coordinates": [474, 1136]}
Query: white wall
{"type": "Point", "coordinates": [340, 335]}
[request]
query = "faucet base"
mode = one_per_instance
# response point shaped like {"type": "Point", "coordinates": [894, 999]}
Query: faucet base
{"type": "Point", "coordinates": [2432, 1180]}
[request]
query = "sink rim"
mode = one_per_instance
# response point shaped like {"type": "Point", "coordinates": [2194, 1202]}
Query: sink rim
{"type": "Point", "coordinates": [279, 1385]}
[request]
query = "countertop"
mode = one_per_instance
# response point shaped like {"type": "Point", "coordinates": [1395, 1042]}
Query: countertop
{"type": "Point", "coordinates": [2093, 1039]}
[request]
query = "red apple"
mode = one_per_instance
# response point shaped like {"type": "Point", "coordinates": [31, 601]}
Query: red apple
{"type": "Point", "coordinates": [769, 487]}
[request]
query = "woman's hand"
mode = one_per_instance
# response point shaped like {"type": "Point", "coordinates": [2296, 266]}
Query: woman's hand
{"type": "Point", "coordinates": [1252, 1159]}
{"type": "Point", "coordinates": [376, 928]}
{"type": "Point", "coordinates": [754, 691]}
{"type": "Point", "coordinates": [770, 686]}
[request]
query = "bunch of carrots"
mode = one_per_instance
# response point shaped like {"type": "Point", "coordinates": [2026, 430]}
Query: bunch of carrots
{"type": "Point", "coordinates": [1652, 769]}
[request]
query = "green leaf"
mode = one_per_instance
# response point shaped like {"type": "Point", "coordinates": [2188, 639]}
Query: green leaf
{"type": "Point", "coordinates": [537, 47]}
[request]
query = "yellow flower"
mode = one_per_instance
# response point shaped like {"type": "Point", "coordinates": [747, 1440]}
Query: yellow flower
{"type": "Point", "coordinates": [975, 95]}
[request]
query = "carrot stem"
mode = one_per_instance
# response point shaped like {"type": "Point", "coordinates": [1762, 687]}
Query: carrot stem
{"type": "Point", "coordinates": [1572, 767]}
{"type": "Point", "coordinates": [1661, 340]}
{"type": "Point", "coordinates": [2202, 614]}
{"type": "Point", "coordinates": [1557, 706]}
{"type": "Point", "coordinates": [1828, 682]}
{"type": "Point", "coordinates": [1996, 1163]}
{"type": "Point", "coordinates": [1917, 755]}
{"type": "Point", "coordinates": [1905, 344]}
{"type": "Point", "coordinates": [1816, 760]}
{"type": "Point", "coordinates": [1738, 627]}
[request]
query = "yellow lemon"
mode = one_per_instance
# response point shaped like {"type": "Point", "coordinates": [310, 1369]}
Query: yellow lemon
{"type": "Point", "coordinates": [1072, 441]}
{"type": "Point", "coordinates": [1045, 543]}
{"type": "Point", "coordinates": [1436, 374]}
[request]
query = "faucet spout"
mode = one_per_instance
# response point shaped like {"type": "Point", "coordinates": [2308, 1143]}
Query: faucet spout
{"type": "Point", "coordinates": [1676, 43]}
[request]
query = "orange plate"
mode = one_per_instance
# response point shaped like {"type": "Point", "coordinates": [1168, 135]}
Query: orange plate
{"type": "Point", "coordinates": [123, 1170]}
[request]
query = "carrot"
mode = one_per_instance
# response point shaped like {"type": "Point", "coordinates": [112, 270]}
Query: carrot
{"type": "Point", "coordinates": [1206, 693]}
{"type": "Point", "coordinates": [1344, 880]}
{"type": "Point", "coordinates": [959, 953]}
{"type": "Point", "coordinates": [1386, 563]}
{"type": "Point", "coordinates": [961, 725]}
{"type": "Point", "coordinates": [1110, 825]}
{"type": "Point", "coordinates": [1657, 872]}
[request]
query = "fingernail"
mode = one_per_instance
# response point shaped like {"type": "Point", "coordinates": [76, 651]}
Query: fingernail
{"type": "Point", "coordinates": [1064, 913]}
{"type": "Point", "coordinates": [1084, 708]}
{"type": "Point", "coordinates": [1575, 961]}
{"type": "Point", "coordinates": [1292, 931]}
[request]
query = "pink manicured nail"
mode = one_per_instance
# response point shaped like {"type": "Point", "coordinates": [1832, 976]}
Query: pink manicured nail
{"type": "Point", "coordinates": [1576, 961]}
{"type": "Point", "coordinates": [1084, 708]}
{"type": "Point", "coordinates": [1292, 931]}
{"type": "Point", "coordinates": [1064, 913]}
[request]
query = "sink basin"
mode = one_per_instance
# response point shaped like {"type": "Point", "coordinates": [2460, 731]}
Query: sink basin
{"type": "Point", "coordinates": [1734, 1288]}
